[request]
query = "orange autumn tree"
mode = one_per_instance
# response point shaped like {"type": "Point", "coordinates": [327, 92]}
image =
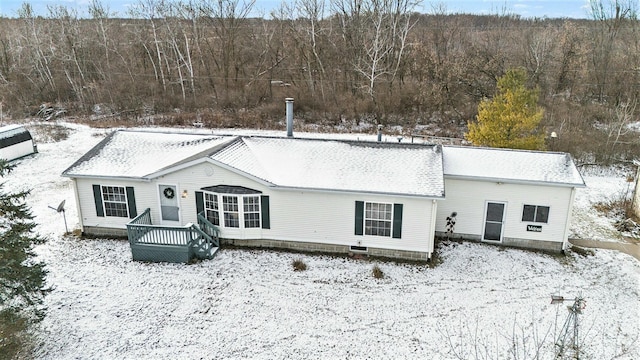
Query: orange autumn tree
{"type": "Point", "coordinates": [512, 118]}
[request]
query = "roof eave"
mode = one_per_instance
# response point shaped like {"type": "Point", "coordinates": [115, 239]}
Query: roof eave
{"type": "Point", "coordinates": [515, 181]}
{"type": "Point", "coordinates": [106, 177]}
{"type": "Point", "coordinates": [360, 192]}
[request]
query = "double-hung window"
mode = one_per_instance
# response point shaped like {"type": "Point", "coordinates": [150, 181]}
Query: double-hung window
{"type": "Point", "coordinates": [231, 211]}
{"type": "Point", "coordinates": [378, 219]}
{"type": "Point", "coordinates": [114, 199]}
{"type": "Point", "coordinates": [535, 213]}
{"type": "Point", "coordinates": [245, 207]}
{"type": "Point", "coordinates": [251, 211]}
{"type": "Point", "coordinates": [231, 207]}
{"type": "Point", "coordinates": [211, 208]}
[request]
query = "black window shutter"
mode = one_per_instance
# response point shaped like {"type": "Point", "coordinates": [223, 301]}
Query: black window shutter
{"type": "Point", "coordinates": [200, 203]}
{"type": "Point", "coordinates": [397, 221]}
{"type": "Point", "coordinates": [359, 217]}
{"type": "Point", "coordinates": [97, 197]}
{"type": "Point", "coordinates": [264, 207]}
{"type": "Point", "coordinates": [131, 202]}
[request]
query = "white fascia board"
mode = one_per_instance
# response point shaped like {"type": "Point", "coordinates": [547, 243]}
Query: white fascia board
{"type": "Point", "coordinates": [511, 181]}
{"type": "Point", "coordinates": [355, 192]}
{"type": "Point", "coordinates": [102, 177]}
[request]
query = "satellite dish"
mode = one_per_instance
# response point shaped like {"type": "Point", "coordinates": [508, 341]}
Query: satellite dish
{"type": "Point", "coordinates": [60, 209]}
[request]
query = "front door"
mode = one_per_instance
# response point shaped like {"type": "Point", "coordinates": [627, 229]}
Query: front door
{"type": "Point", "coordinates": [494, 221]}
{"type": "Point", "coordinates": [169, 210]}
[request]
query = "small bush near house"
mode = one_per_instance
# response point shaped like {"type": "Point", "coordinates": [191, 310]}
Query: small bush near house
{"type": "Point", "coordinates": [377, 272]}
{"type": "Point", "coordinates": [299, 265]}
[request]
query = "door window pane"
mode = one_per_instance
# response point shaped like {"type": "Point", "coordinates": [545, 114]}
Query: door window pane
{"type": "Point", "coordinates": [495, 212]}
{"type": "Point", "coordinates": [492, 231]}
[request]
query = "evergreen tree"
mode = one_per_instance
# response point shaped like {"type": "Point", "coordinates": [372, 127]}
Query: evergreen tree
{"type": "Point", "coordinates": [22, 278]}
{"type": "Point", "coordinates": [512, 118]}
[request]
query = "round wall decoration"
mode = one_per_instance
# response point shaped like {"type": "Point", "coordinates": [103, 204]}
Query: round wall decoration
{"type": "Point", "coordinates": [169, 193]}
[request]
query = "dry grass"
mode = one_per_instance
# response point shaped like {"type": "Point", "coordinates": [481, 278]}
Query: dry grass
{"type": "Point", "coordinates": [299, 265]}
{"type": "Point", "coordinates": [377, 272]}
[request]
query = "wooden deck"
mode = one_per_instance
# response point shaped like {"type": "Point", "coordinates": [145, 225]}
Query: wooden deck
{"type": "Point", "coordinates": [179, 244]}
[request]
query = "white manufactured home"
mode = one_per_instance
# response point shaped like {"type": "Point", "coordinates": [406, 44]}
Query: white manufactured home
{"type": "Point", "coordinates": [15, 142]}
{"type": "Point", "coordinates": [383, 199]}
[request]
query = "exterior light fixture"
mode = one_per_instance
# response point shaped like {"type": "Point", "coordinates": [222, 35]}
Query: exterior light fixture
{"type": "Point", "coordinates": [553, 137]}
{"type": "Point", "coordinates": [184, 194]}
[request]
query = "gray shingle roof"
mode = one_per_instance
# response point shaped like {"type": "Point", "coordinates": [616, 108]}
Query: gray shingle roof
{"type": "Point", "coordinates": [339, 165]}
{"type": "Point", "coordinates": [334, 165]}
{"type": "Point", "coordinates": [136, 154]}
{"type": "Point", "coordinates": [511, 165]}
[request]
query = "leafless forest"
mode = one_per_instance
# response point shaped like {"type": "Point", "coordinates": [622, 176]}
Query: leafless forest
{"type": "Point", "coordinates": [345, 62]}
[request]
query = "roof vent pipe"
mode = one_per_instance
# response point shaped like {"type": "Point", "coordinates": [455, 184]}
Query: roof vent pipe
{"type": "Point", "coordinates": [289, 102]}
{"type": "Point", "coordinates": [379, 132]}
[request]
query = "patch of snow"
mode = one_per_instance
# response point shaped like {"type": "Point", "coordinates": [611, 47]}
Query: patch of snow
{"type": "Point", "coordinates": [333, 165]}
{"type": "Point", "coordinates": [518, 165]}
{"type": "Point", "coordinates": [251, 304]}
{"type": "Point", "coordinates": [140, 153]}
{"type": "Point", "coordinates": [587, 223]}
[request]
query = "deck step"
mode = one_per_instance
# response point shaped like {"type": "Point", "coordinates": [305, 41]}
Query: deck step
{"type": "Point", "coordinates": [207, 253]}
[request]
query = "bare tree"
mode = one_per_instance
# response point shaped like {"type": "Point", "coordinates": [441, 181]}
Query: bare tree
{"type": "Point", "coordinates": [375, 32]}
{"type": "Point", "coordinates": [611, 16]}
{"type": "Point", "coordinates": [227, 20]}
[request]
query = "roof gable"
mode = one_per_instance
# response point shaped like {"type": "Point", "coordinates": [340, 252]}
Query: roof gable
{"type": "Point", "coordinates": [136, 154]}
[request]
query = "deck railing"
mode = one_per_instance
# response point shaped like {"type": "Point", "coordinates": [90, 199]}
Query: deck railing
{"type": "Point", "coordinates": [209, 229]}
{"type": "Point", "coordinates": [139, 226]}
{"type": "Point", "coordinates": [198, 240]}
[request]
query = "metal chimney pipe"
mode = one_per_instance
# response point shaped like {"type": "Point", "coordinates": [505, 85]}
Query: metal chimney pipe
{"type": "Point", "coordinates": [379, 132]}
{"type": "Point", "coordinates": [289, 102]}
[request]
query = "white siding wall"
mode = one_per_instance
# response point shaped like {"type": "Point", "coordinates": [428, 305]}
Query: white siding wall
{"type": "Point", "coordinates": [303, 216]}
{"type": "Point", "coordinates": [145, 194]}
{"type": "Point", "coordinates": [330, 218]}
{"type": "Point", "coordinates": [16, 150]}
{"type": "Point", "coordinates": [468, 199]}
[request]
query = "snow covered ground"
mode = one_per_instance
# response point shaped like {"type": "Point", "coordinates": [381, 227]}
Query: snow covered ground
{"type": "Point", "coordinates": [479, 302]}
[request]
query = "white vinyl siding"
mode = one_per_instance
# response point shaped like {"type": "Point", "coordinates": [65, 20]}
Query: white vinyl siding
{"type": "Point", "coordinates": [17, 150]}
{"type": "Point", "coordinates": [146, 196]}
{"type": "Point", "coordinates": [468, 199]}
{"type": "Point", "coordinates": [329, 221]}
